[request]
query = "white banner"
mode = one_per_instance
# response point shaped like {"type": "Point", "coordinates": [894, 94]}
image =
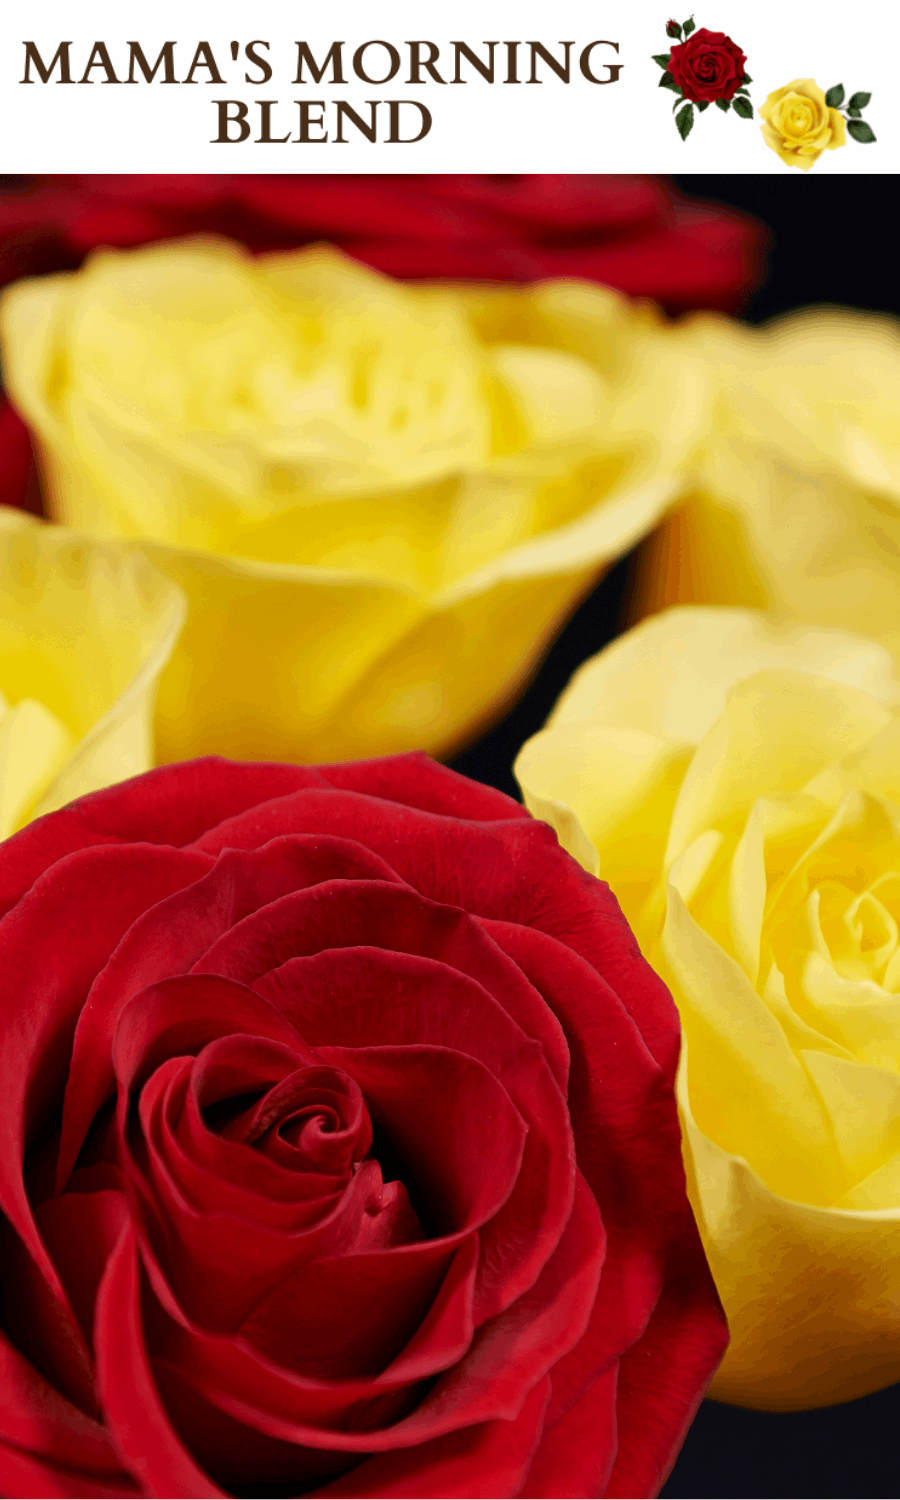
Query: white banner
{"type": "Point", "coordinates": [484, 85]}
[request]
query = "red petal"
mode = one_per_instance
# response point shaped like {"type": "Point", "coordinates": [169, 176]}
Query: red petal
{"type": "Point", "coordinates": [663, 1377]}
{"type": "Point", "coordinates": [169, 936]}
{"type": "Point", "coordinates": [488, 1459]}
{"type": "Point", "coordinates": [21, 1474]}
{"type": "Point", "coordinates": [80, 908]}
{"type": "Point", "coordinates": [34, 1417]}
{"type": "Point", "coordinates": [135, 1416]}
{"type": "Point", "coordinates": [574, 1459]}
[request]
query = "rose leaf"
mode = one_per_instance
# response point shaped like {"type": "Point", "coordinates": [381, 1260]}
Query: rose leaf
{"type": "Point", "coordinates": [835, 96]}
{"type": "Point", "coordinates": [862, 132]}
{"type": "Point", "coordinates": [662, 58]}
{"type": "Point", "coordinates": [746, 79]}
{"type": "Point", "coordinates": [689, 26]}
{"type": "Point", "coordinates": [743, 107]}
{"type": "Point", "coordinates": [668, 82]}
{"type": "Point", "coordinates": [685, 121]}
{"type": "Point", "coordinates": [702, 104]}
{"type": "Point", "coordinates": [722, 104]}
{"type": "Point", "coordinates": [853, 113]}
{"type": "Point", "coordinates": [859, 101]}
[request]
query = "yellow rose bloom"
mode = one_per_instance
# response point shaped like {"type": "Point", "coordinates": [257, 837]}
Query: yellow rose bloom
{"type": "Point", "coordinates": [794, 504]}
{"type": "Point", "coordinates": [85, 630]}
{"type": "Point", "coordinates": [799, 125]}
{"type": "Point", "coordinates": [737, 782]}
{"type": "Point", "coordinates": [380, 499]}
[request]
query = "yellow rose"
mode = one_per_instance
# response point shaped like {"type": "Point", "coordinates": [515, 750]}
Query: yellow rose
{"type": "Point", "coordinates": [738, 784]}
{"type": "Point", "coordinates": [799, 125]}
{"type": "Point", "coordinates": [380, 499]}
{"type": "Point", "coordinates": [795, 501]}
{"type": "Point", "coordinates": [85, 631]}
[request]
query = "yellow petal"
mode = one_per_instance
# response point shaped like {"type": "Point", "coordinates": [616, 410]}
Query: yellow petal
{"type": "Point", "coordinates": [748, 1091]}
{"type": "Point", "coordinates": [812, 1295]}
{"type": "Point", "coordinates": [34, 746]}
{"type": "Point", "coordinates": [85, 630]}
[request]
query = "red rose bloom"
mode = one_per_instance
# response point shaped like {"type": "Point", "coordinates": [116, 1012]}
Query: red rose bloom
{"type": "Point", "coordinates": [629, 232]}
{"type": "Point", "coordinates": [339, 1153]}
{"type": "Point", "coordinates": [708, 66]}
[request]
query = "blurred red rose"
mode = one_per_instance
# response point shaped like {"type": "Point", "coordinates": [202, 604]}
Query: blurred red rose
{"type": "Point", "coordinates": [630, 232]}
{"type": "Point", "coordinates": [708, 66]}
{"type": "Point", "coordinates": [338, 1150]}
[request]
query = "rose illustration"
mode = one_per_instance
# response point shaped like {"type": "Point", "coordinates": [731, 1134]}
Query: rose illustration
{"type": "Point", "coordinates": [801, 121]}
{"type": "Point", "coordinates": [799, 125]}
{"type": "Point", "coordinates": [708, 66]}
{"type": "Point", "coordinates": [339, 1150]}
{"type": "Point", "coordinates": [703, 68]}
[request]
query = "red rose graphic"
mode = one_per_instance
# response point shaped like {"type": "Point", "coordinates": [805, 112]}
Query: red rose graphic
{"type": "Point", "coordinates": [708, 66]}
{"type": "Point", "coordinates": [339, 1152]}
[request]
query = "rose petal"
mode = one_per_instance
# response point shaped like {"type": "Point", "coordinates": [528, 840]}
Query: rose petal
{"type": "Point", "coordinates": [22, 1474]}
{"type": "Point", "coordinates": [662, 1378]}
{"type": "Point", "coordinates": [480, 870]}
{"type": "Point", "coordinates": [167, 938]}
{"type": "Point", "coordinates": [218, 1366]}
{"type": "Point", "coordinates": [575, 1457]}
{"type": "Point", "coordinates": [80, 1230]}
{"type": "Point", "coordinates": [137, 1421]}
{"type": "Point", "coordinates": [36, 1418]}
{"type": "Point", "coordinates": [488, 1459]}
{"type": "Point", "coordinates": [507, 1357]}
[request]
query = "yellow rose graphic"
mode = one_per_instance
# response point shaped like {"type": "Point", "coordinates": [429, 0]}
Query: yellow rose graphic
{"type": "Point", "coordinates": [737, 783]}
{"type": "Point", "coordinates": [799, 125]}
{"type": "Point", "coordinates": [381, 500]}
{"type": "Point", "coordinates": [794, 505]}
{"type": "Point", "coordinates": [85, 631]}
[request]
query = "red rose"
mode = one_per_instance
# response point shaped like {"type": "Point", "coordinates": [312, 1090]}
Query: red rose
{"type": "Point", "coordinates": [339, 1151]}
{"type": "Point", "coordinates": [708, 66]}
{"type": "Point", "coordinates": [629, 232]}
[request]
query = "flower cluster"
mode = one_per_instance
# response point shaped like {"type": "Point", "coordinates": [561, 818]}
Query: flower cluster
{"type": "Point", "coordinates": [703, 68]}
{"type": "Point", "coordinates": [364, 1132]}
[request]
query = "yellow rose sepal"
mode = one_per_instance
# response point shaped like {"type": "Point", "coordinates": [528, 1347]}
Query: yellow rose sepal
{"type": "Point", "coordinates": [737, 783]}
{"type": "Point", "coordinates": [86, 628]}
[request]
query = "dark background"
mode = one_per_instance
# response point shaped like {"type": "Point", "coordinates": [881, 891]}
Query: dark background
{"type": "Point", "coordinates": [833, 240]}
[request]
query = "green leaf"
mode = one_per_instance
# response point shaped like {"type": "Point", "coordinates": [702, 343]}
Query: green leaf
{"type": "Point", "coordinates": [688, 27]}
{"type": "Point", "coordinates": [722, 104]}
{"type": "Point", "coordinates": [746, 78]}
{"type": "Point", "coordinates": [668, 82]}
{"type": "Point", "coordinates": [702, 104]}
{"type": "Point", "coordinates": [742, 91]}
{"type": "Point", "coordinates": [662, 58]}
{"type": "Point", "coordinates": [859, 101]}
{"type": "Point", "coordinates": [685, 121]}
{"type": "Point", "coordinates": [835, 96]}
{"type": "Point", "coordinates": [853, 113]}
{"type": "Point", "coordinates": [742, 107]}
{"type": "Point", "coordinates": [862, 132]}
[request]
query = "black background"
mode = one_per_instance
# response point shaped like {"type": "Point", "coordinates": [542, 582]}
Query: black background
{"type": "Point", "coordinates": [833, 240]}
